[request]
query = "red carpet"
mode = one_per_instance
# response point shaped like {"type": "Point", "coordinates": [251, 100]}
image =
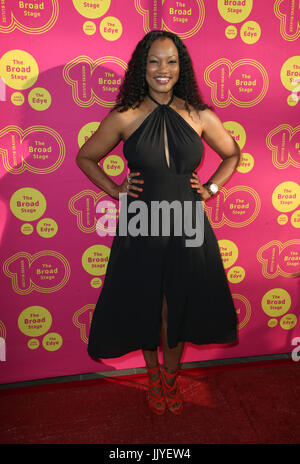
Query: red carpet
{"type": "Point", "coordinates": [255, 403]}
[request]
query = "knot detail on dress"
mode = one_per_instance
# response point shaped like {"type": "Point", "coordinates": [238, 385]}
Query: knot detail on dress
{"type": "Point", "coordinates": [162, 104]}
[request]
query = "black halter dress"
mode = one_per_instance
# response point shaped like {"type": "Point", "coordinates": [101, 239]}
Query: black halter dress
{"type": "Point", "coordinates": [152, 258]}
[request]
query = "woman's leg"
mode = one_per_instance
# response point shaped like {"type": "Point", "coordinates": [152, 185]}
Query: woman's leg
{"type": "Point", "coordinates": [151, 359]}
{"type": "Point", "coordinates": [172, 356]}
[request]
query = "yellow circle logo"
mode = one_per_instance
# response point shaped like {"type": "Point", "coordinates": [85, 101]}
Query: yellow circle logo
{"type": "Point", "coordinates": [33, 343]}
{"type": "Point", "coordinates": [276, 302]}
{"type": "Point", "coordinates": [17, 98]}
{"type": "Point", "coordinates": [235, 11]}
{"type": "Point", "coordinates": [86, 132]}
{"type": "Point", "coordinates": [236, 274]}
{"type": "Point", "coordinates": [282, 219]}
{"type": "Point", "coordinates": [95, 259]}
{"type": "Point", "coordinates": [250, 32]}
{"type": "Point", "coordinates": [47, 228]}
{"type": "Point", "coordinates": [52, 341]}
{"type": "Point", "coordinates": [246, 163]}
{"type": "Point", "coordinates": [111, 28]}
{"type": "Point", "coordinates": [113, 165]}
{"type": "Point", "coordinates": [272, 323]}
{"type": "Point", "coordinates": [26, 229]}
{"type": "Point", "coordinates": [286, 197]}
{"type": "Point", "coordinates": [28, 204]}
{"type": "Point", "coordinates": [39, 99]}
{"type": "Point", "coordinates": [89, 28]}
{"type": "Point", "coordinates": [96, 282]}
{"type": "Point", "coordinates": [229, 252]}
{"type": "Point", "coordinates": [292, 99]}
{"type": "Point", "coordinates": [34, 321]}
{"type": "Point", "coordinates": [231, 32]}
{"type": "Point", "coordinates": [91, 10]}
{"type": "Point", "coordinates": [290, 73]}
{"type": "Point", "coordinates": [237, 131]}
{"type": "Point", "coordinates": [288, 321]}
{"type": "Point", "coordinates": [18, 69]}
{"type": "Point", "coordinates": [295, 219]}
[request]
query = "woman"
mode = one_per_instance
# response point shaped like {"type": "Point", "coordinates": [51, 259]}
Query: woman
{"type": "Point", "coordinates": [157, 286]}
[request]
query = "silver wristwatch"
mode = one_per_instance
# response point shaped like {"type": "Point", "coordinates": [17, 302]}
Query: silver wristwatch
{"type": "Point", "coordinates": [211, 187]}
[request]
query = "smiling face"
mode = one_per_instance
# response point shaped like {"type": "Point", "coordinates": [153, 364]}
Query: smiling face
{"type": "Point", "coordinates": [162, 70]}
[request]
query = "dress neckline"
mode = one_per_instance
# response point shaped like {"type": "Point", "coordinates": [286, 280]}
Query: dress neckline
{"type": "Point", "coordinates": [162, 104]}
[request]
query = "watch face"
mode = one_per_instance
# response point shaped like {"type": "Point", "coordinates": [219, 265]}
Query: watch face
{"type": "Point", "coordinates": [214, 188]}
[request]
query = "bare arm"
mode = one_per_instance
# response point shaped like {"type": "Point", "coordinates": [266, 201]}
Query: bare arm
{"type": "Point", "coordinates": [106, 137]}
{"type": "Point", "coordinates": [219, 139]}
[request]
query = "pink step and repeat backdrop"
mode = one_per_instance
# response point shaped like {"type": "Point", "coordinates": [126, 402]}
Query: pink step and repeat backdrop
{"type": "Point", "coordinates": [61, 66]}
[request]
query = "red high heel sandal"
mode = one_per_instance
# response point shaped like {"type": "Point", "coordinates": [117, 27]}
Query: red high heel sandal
{"type": "Point", "coordinates": [172, 392]}
{"type": "Point", "coordinates": [153, 397]}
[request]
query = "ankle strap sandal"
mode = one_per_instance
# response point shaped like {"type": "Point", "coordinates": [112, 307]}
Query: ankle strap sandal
{"type": "Point", "coordinates": [156, 400]}
{"type": "Point", "coordinates": [172, 392]}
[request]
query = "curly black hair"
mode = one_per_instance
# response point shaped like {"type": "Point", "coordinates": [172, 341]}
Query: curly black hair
{"type": "Point", "coordinates": [134, 87]}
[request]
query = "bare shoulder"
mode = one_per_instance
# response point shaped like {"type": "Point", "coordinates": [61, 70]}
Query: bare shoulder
{"type": "Point", "coordinates": [114, 122]}
{"type": "Point", "coordinates": [115, 117]}
{"type": "Point", "coordinates": [130, 119]}
{"type": "Point", "coordinates": [210, 119]}
{"type": "Point", "coordinates": [126, 120]}
{"type": "Point", "coordinates": [215, 133]}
